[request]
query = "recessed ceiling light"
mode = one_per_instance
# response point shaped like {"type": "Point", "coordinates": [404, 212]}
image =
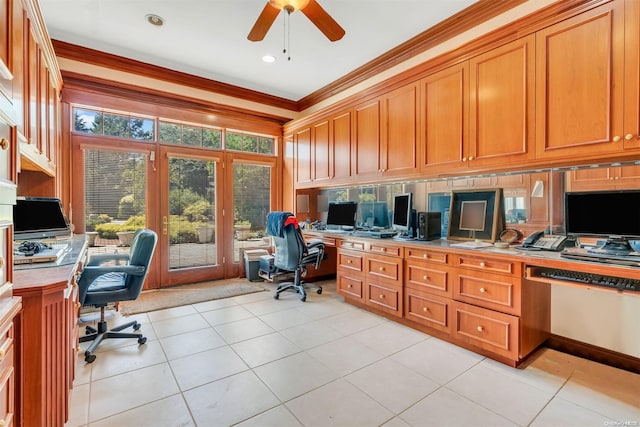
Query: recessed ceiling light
{"type": "Point", "coordinates": [156, 20]}
{"type": "Point", "coordinates": [269, 58]}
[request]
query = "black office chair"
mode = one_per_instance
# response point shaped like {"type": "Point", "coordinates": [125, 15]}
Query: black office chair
{"type": "Point", "coordinates": [292, 253]}
{"type": "Point", "coordinates": [110, 278]}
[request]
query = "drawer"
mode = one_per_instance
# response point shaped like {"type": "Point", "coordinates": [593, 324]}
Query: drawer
{"type": "Point", "coordinates": [489, 330]}
{"type": "Point", "coordinates": [487, 290]}
{"type": "Point", "coordinates": [7, 387]}
{"type": "Point", "coordinates": [384, 267]}
{"type": "Point", "coordinates": [426, 309]}
{"type": "Point", "coordinates": [425, 255]}
{"type": "Point", "coordinates": [350, 260]}
{"type": "Point", "coordinates": [424, 277]}
{"type": "Point", "coordinates": [384, 297]}
{"type": "Point", "coordinates": [377, 248]}
{"type": "Point", "coordinates": [351, 244]}
{"type": "Point", "coordinates": [350, 286]}
{"type": "Point", "coordinates": [492, 265]}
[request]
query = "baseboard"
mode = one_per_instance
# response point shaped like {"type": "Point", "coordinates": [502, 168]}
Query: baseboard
{"type": "Point", "coordinates": [592, 352]}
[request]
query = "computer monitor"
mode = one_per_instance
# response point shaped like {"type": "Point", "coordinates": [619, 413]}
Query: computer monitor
{"type": "Point", "coordinates": [374, 214]}
{"type": "Point", "coordinates": [402, 204]}
{"type": "Point", "coordinates": [612, 215]}
{"type": "Point", "coordinates": [39, 218]}
{"type": "Point", "coordinates": [342, 215]}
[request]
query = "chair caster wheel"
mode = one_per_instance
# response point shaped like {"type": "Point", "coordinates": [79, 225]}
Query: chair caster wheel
{"type": "Point", "coordinates": [136, 326]}
{"type": "Point", "coordinates": [303, 299]}
{"type": "Point", "coordinates": [89, 358]}
{"type": "Point", "coordinates": [319, 291]}
{"type": "Point", "coordinates": [142, 340]}
{"type": "Point", "coordinates": [276, 296]}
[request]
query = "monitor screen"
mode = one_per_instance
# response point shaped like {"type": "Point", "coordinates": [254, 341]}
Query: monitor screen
{"type": "Point", "coordinates": [402, 205]}
{"type": "Point", "coordinates": [374, 214]}
{"type": "Point", "coordinates": [614, 215]}
{"type": "Point", "coordinates": [39, 218]}
{"type": "Point", "coordinates": [342, 214]}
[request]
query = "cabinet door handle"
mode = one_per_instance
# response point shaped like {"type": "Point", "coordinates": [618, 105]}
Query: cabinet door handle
{"type": "Point", "coordinates": [4, 143]}
{"type": "Point", "coordinates": [470, 158]}
{"type": "Point", "coordinates": [628, 137]}
{"type": "Point", "coordinates": [464, 159]}
{"type": "Point", "coordinates": [616, 138]}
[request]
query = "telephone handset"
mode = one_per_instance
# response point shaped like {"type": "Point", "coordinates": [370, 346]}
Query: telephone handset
{"type": "Point", "coordinates": [539, 241]}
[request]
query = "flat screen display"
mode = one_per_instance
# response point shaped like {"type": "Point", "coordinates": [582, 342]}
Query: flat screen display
{"type": "Point", "coordinates": [39, 218]}
{"type": "Point", "coordinates": [603, 213]}
{"type": "Point", "coordinates": [374, 214]}
{"type": "Point", "coordinates": [342, 214]}
{"type": "Point", "coordinates": [402, 204]}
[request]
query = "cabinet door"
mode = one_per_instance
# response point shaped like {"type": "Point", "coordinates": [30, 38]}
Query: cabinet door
{"type": "Point", "coordinates": [288, 180]}
{"type": "Point", "coordinates": [579, 84]}
{"type": "Point", "coordinates": [341, 135]}
{"type": "Point", "coordinates": [444, 111]}
{"type": "Point", "coordinates": [303, 156]}
{"type": "Point", "coordinates": [400, 124]}
{"type": "Point", "coordinates": [590, 179]}
{"type": "Point", "coordinates": [322, 152]}
{"type": "Point", "coordinates": [502, 92]}
{"type": "Point", "coordinates": [367, 139]}
{"type": "Point", "coordinates": [632, 76]}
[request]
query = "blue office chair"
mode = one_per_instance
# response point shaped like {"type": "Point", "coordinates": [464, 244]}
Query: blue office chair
{"type": "Point", "coordinates": [110, 278]}
{"type": "Point", "coordinates": [292, 253]}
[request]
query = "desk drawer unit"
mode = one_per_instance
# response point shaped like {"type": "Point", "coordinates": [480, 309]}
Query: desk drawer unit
{"type": "Point", "coordinates": [383, 288]}
{"type": "Point", "coordinates": [486, 264]}
{"type": "Point", "coordinates": [384, 268]}
{"type": "Point", "coordinates": [352, 244]}
{"type": "Point", "coordinates": [427, 277]}
{"type": "Point", "coordinates": [385, 297]}
{"type": "Point", "coordinates": [413, 254]}
{"type": "Point", "coordinates": [486, 329]}
{"type": "Point", "coordinates": [427, 309]}
{"type": "Point", "coordinates": [493, 291]}
{"type": "Point", "coordinates": [350, 285]}
{"type": "Point", "coordinates": [349, 260]}
{"type": "Point", "coordinates": [383, 249]}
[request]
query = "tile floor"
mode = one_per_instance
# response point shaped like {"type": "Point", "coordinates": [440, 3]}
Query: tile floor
{"type": "Point", "coordinates": [255, 361]}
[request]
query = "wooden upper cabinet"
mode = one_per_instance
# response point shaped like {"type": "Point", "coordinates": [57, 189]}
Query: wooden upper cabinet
{"type": "Point", "coordinates": [580, 83]}
{"type": "Point", "coordinates": [303, 156]}
{"type": "Point", "coordinates": [341, 135]}
{"type": "Point", "coordinates": [367, 143]}
{"type": "Point", "coordinates": [445, 118]}
{"type": "Point", "coordinates": [288, 170]}
{"type": "Point", "coordinates": [400, 128]}
{"type": "Point", "coordinates": [604, 178]}
{"type": "Point", "coordinates": [631, 130]}
{"type": "Point", "coordinates": [322, 148]}
{"type": "Point", "coordinates": [501, 107]}
{"type": "Point", "coordinates": [19, 54]}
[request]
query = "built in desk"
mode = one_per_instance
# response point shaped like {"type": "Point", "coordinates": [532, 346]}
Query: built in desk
{"type": "Point", "coordinates": [48, 329]}
{"type": "Point", "coordinates": [495, 302]}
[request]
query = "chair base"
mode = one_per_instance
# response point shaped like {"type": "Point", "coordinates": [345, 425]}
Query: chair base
{"type": "Point", "coordinates": [101, 333]}
{"type": "Point", "coordinates": [298, 286]}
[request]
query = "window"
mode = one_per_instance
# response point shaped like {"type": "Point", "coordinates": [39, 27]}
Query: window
{"type": "Point", "coordinates": [110, 124]}
{"type": "Point", "coordinates": [189, 134]}
{"type": "Point", "coordinates": [250, 143]}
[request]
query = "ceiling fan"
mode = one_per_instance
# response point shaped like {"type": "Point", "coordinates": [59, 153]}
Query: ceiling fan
{"type": "Point", "coordinates": [310, 8]}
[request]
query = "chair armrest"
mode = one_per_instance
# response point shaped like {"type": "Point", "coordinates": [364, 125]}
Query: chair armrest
{"type": "Point", "coordinates": [98, 259]}
{"type": "Point", "coordinates": [316, 248]}
{"type": "Point", "coordinates": [314, 244]}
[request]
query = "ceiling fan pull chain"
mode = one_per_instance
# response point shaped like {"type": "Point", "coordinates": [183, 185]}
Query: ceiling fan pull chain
{"type": "Point", "coordinates": [289, 36]}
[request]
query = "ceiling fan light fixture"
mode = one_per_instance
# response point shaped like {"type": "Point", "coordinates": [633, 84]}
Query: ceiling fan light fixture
{"type": "Point", "coordinates": [289, 5]}
{"type": "Point", "coordinates": [268, 59]}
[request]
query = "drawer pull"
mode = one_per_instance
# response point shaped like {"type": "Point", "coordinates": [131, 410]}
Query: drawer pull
{"type": "Point", "coordinates": [4, 143]}
{"type": "Point", "coordinates": [425, 309]}
{"type": "Point", "coordinates": [383, 249]}
{"type": "Point", "coordinates": [349, 285]}
{"type": "Point", "coordinates": [480, 329]}
{"type": "Point", "coordinates": [425, 277]}
{"type": "Point", "coordinates": [2, 354]}
{"type": "Point", "coordinates": [483, 290]}
{"type": "Point", "coordinates": [349, 261]}
{"type": "Point", "coordinates": [425, 256]}
{"type": "Point", "coordinates": [381, 268]}
{"type": "Point", "coordinates": [1, 261]}
{"type": "Point", "coordinates": [381, 296]}
{"type": "Point", "coordinates": [482, 264]}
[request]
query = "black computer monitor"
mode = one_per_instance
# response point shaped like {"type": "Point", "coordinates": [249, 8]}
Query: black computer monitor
{"type": "Point", "coordinates": [402, 204]}
{"type": "Point", "coordinates": [39, 218]}
{"type": "Point", "coordinates": [342, 215]}
{"type": "Point", "coordinates": [374, 214]}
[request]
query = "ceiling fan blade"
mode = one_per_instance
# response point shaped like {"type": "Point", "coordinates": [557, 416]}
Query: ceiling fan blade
{"type": "Point", "coordinates": [263, 23]}
{"type": "Point", "coordinates": [323, 21]}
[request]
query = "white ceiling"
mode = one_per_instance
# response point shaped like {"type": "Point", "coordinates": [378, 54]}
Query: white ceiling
{"type": "Point", "coordinates": [208, 38]}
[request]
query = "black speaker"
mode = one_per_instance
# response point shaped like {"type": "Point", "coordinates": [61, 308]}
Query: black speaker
{"type": "Point", "coordinates": [428, 226]}
{"type": "Point", "coordinates": [412, 232]}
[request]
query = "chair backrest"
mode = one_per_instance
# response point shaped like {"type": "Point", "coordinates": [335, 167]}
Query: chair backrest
{"type": "Point", "coordinates": [289, 243]}
{"type": "Point", "coordinates": [141, 253]}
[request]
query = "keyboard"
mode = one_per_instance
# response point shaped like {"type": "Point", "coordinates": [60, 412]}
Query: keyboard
{"type": "Point", "coordinates": [619, 283]}
{"type": "Point", "coordinates": [376, 234]}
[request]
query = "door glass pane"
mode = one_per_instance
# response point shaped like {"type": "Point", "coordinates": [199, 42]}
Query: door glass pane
{"type": "Point", "coordinates": [251, 201]}
{"type": "Point", "coordinates": [192, 207]}
{"type": "Point", "coordinates": [115, 199]}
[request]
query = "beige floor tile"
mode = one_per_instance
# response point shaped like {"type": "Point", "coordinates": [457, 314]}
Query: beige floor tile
{"type": "Point", "coordinates": [446, 408]}
{"type": "Point", "coordinates": [311, 334]}
{"type": "Point", "coordinates": [83, 370]}
{"type": "Point", "coordinates": [168, 327]}
{"type": "Point", "coordinates": [345, 355]}
{"type": "Point", "coordinates": [126, 359]}
{"type": "Point", "coordinates": [608, 391]}
{"type": "Point", "coordinates": [201, 368]}
{"type": "Point", "coordinates": [230, 400]}
{"type": "Point", "coordinates": [393, 385]}
{"type": "Point", "coordinates": [215, 304]}
{"type": "Point", "coordinates": [253, 297]}
{"type": "Point", "coordinates": [320, 308]}
{"type": "Point", "coordinates": [501, 393]}
{"type": "Point", "coordinates": [243, 330]}
{"type": "Point", "coordinates": [265, 349]}
{"type": "Point", "coordinates": [169, 412]}
{"type": "Point", "coordinates": [560, 412]}
{"type": "Point", "coordinates": [294, 375]}
{"type": "Point", "coordinates": [276, 417]}
{"type": "Point", "coordinates": [126, 391]}
{"type": "Point", "coordinates": [338, 403]}
{"type": "Point", "coordinates": [170, 313]}
{"type": "Point", "coordinates": [287, 301]}
{"type": "Point", "coordinates": [79, 405]}
{"type": "Point", "coordinates": [226, 315]}
{"type": "Point", "coordinates": [388, 338]}
{"type": "Point", "coordinates": [188, 343]}
{"type": "Point", "coordinates": [285, 319]}
{"type": "Point", "coordinates": [353, 321]}
{"type": "Point", "coordinates": [437, 360]}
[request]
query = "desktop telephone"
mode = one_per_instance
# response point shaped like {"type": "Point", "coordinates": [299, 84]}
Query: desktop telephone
{"type": "Point", "coordinates": [539, 241]}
